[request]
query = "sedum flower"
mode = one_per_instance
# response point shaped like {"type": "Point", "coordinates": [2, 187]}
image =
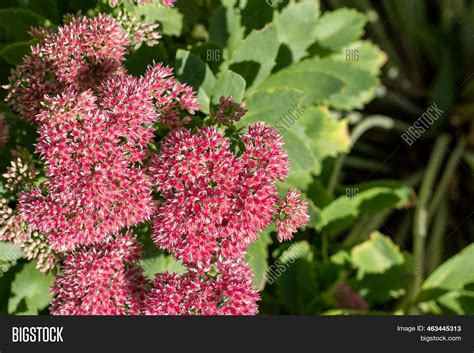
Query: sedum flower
{"type": "Point", "coordinates": [20, 174]}
{"type": "Point", "coordinates": [228, 111]}
{"type": "Point", "coordinates": [80, 54]}
{"type": "Point", "coordinates": [139, 31]}
{"type": "Point", "coordinates": [94, 188]}
{"type": "Point", "coordinates": [33, 244]}
{"type": "Point", "coordinates": [264, 151]}
{"type": "Point", "coordinates": [214, 204]}
{"type": "Point", "coordinates": [293, 214]}
{"type": "Point", "coordinates": [103, 280]}
{"type": "Point", "coordinates": [228, 292]}
{"type": "Point", "coordinates": [172, 99]}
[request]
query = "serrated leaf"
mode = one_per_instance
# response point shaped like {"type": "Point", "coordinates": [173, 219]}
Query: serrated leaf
{"type": "Point", "coordinates": [255, 57]}
{"type": "Point", "coordinates": [307, 77]}
{"type": "Point", "coordinates": [296, 26]}
{"type": "Point", "coordinates": [364, 55]}
{"type": "Point", "coordinates": [257, 257]}
{"type": "Point", "coordinates": [228, 84]}
{"type": "Point", "coordinates": [338, 28]}
{"type": "Point", "coordinates": [376, 255]}
{"type": "Point", "coordinates": [192, 70]}
{"type": "Point", "coordinates": [32, 287]}
{"type": "Point", "coordinates": [327, 81]}
{"type": "Point", "coordinates": [328, 137]}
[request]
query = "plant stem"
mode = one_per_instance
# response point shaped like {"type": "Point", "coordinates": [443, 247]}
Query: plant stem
{"type": "Point", "coordinates": [435, 245]}
{"type": "Point", "coordinates": [448, 173]}
{"type": "Point", "coordinates": [420, 224]}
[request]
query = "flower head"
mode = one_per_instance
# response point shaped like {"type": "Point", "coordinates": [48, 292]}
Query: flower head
{"type": "Point", "coordinates": [80, 54]}
{"type": "Point", "coordinates": [173, 99]}
{"type": "Point", "coordinates": [139, 31]}
{"type": "Point", "coordinates": [293, 214]}
{"type": "Point", "coordinates": [229, 292]}
{"type": "Point", "coordinates": [214, 203]}
{"type": "Point", "coordinates": [104, 280]}
{"type": "Point", "coordinates": [34, 245]}
{"type": "Point", "coordinates": [264, 151]}
{"type": "Point", "coordinates": [93, 187]}
{"type": "Point", "coordinates": [228, 111]}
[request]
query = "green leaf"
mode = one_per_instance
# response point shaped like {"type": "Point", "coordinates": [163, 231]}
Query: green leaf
{"type": "Point", "coordinates": [328, 137]}
{"type": "Point", "coordinates": [295, 279]}
{"type": "Point", "coordinates": [296, 26]}
{"type": "Point", "coordinates": [9, 254]}
{"type": "Point", "coordinates": [459, 302]}
{"type": "Point", "coordinates": [161, 264]}
{"type": "Point", "coordinates": [169, 18]}
{"type": "Point", "coordinates": [192, 70]}
{"type": "Point", "coordinates": [31, 287]}
{"type": "Point", "coordinates": [364, 55]}
{"type": "Point", "coordinates": [376, 255]}
{"type": "Point", "coordinates": [393, 283]}
{"type": "Point", "coordinates": [327, 81]}
{"type": "Point", "coordinates": [453, 274]}
{"type": "Point", "coordinates": [15, 24]}
{"type": "Point", "coordinates": [256, 55]}
{"type": "Point", "coordinates": [365, 198]}
{"type": "Point", "coordinates": [225, 29]}
{"type": "Point", "coordinates": [338, 28]}
{"type": "Point", "coordinates": [14, 53]}
{"type": "Point", "coordinates": [228, 84]}
{"type": "Point", "coordinates": [257, 257]}
{"type": "Point", "coordinates": [308, 77]}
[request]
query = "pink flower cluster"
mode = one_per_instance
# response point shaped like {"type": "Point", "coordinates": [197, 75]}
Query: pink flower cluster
{"type": "Point", "coordinates": [228, 292]}
{"type": "Point", "coordinates": [229, 111]}
{"type": "Point", "coordinates": [96, 124]}
{"type": "Point", "coordinates": [94, 189]}
{"type": "Point", "coordinates": [104, 280]}
{"type": "Point", "coordinates": [93, 141]}
{"type": "Point", "coordinates": [139, 31]}
{"type": "Point", "coordinates": [215, 203]}
{"type": "Point", "coordinates": [33, 244]}
{"type": "Point", "coordinates": [80, 55]}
